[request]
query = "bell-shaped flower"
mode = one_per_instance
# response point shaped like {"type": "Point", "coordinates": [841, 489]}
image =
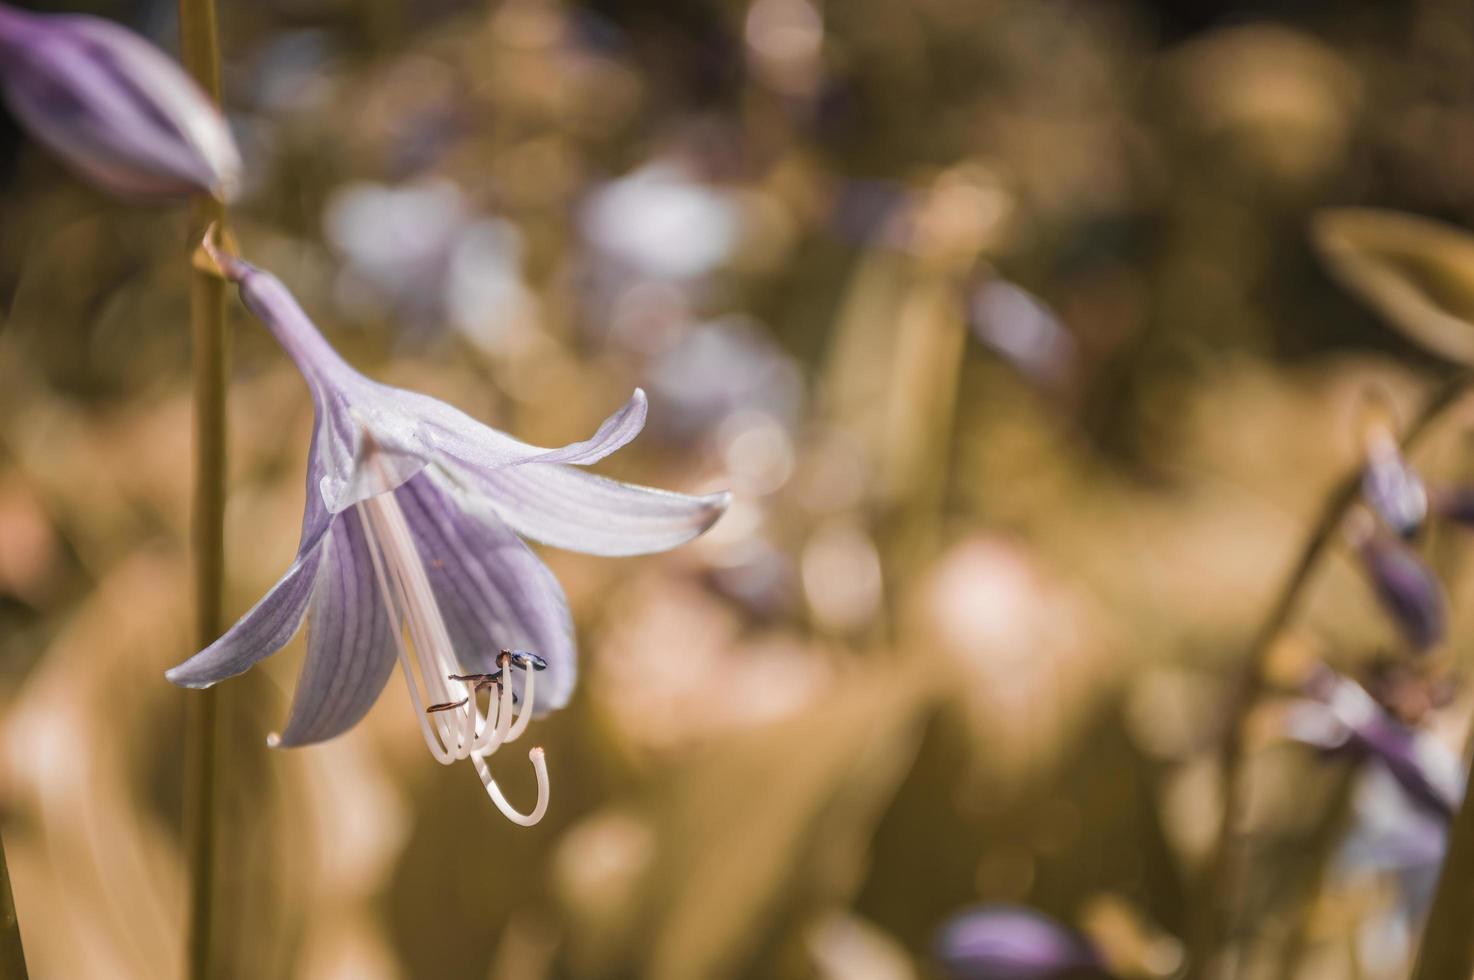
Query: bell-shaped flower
{"type": "Point", "coordinates": [114, 107]}
{"type": "Point", "coordinates": [1006, 942]}
{"type": "Point", "coordinates": [410, 551]}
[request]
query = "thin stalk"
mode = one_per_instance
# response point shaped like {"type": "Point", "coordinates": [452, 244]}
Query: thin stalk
{"type": "Point", "coordinates": [12, 956]}
{"type": "Point", "coordinates": [1447, 949]}
{"type": "Point", "coordinates": [201, 51]}
{"type": "Point", "coordinates": [1218, 899]}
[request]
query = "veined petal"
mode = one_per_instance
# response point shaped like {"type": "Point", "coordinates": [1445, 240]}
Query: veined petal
{"type": "Point", "coordinates": [493, 592]}
{"type": "Point", "coordinates": [370, 438]}
{"type": "Point", "coordinates": [350, 649]}
{"type": "Point", "coordinates": [267, 627]}
{"type": "Point", "coordinates": [477, 445]}
{"type": "Point", "coordinates": [567, 508]}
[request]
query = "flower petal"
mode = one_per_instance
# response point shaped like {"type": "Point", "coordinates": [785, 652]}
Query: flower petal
{"type": "Point", "coordinates": [350, 649]}
{"type": "Point", "coordinates": [567, 508]}
{"type": "Point", "coordinates": [267, 627]}
{"type": "Point", "coordinates": [493, 592]}
{"type": "Point", "coordinates": [457, 434]}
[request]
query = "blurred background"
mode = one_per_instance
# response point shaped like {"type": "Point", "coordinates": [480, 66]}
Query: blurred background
{"type": "Point", "coordinates": [1002, 321]}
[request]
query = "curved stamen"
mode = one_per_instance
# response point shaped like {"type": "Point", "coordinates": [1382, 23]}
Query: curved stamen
{"type": "Point", "coordinates": [528, 701]}
{"type": "Point", "coordinates": [539, 766]}
{"type": "Point", "coordinates": [497, 735]}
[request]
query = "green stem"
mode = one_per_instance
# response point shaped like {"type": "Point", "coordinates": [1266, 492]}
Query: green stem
{"type": "Point", "coordinates": [12, 956]}
{"type": "Point", "coordinates": [201, 50]}
{"type": "Point", "coordinates": [1218, 899]}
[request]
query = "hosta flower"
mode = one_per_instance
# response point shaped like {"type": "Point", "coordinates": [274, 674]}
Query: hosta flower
{"type": "Point", "coordinates": [410, 552]}
{"type": "Point", "coordinates": [1005, 942]}
{"type": "Point", "coordinates": [114, 107]}
{"type": "Point", "coordinates": [1340, 716]}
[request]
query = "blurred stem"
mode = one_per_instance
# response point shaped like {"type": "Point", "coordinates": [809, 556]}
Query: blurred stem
{"type": "Point", "coordinates": [1447, 949]}
{"type": "Point", "coordinates": [932, 338]}
{"type": "Point", "coordinates": [1218, 897]}
{"type": "Point", "coordinates": [199, 40]}
{"type": "Point", "coordinates": [12, 956]}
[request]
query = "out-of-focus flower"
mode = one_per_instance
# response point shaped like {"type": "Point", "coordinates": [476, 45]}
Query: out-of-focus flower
{"type": "Point", "coordinates": [114, 107]}
{"type": "Point", "coordinates": [1390, 487]}
{"type": "Point", "coordinates": [1405, 586]}
{"type": "Point", "coordinates": [1340, 716]}
{"type": "Point", "coordinates": [411, 526]}
{"type": "Point", "coordinates": [1005, 942]}
{"type": "Point", "coordinates": [661, 223]}
{"type": "Point", "coordinates": [421, 251]}
{"type": "Point", "coordinates": [1025, 332]}
{"type": "Point", "coordinates": [721, 367]}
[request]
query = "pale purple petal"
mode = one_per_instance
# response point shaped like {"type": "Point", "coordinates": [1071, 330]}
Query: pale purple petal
{"type": "Point", "coordinates": [267, 627]}
{"type": "Point", "coordinates": [371, 437]}
{"type": "Point", "coordinates": [567, 508]}
{"type": "Point", "coordinates": [350, 649]}
{"type": "Point", "coordinates": [493, 592]}
{"type": "Point", "coordinates": [458, 435]}
{"type": "Point", "coordinates": [114, 107]}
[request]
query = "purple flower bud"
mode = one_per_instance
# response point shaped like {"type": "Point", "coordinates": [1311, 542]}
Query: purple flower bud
{"type": "Point", "coordinates": [1391, 488]}
{"type": "Point", "coordinates": [1004, 942]}
{"type": "Point", "coordinates": [1407, 590]}
{"type": "Point", "coordinates": [114, 107]}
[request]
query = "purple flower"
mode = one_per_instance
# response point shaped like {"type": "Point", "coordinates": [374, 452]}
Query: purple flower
{"type": "Point", "coordinates": [1340, 716]}
{"type": "Point", "coordinates": [1392, 488]}
{"type": "Point", "coordinates": [410, 550]}
{"type": "Point", "coordinates": [1408, 591]}
{"type": "Point", "coordinates": [114, 107]}
{"type": "Point", "coordinates": [1005, 942]}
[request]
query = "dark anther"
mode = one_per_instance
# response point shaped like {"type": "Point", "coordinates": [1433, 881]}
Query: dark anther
{"type": "Point", "coordinates": [447, 706]}
{"type": "Point", "coordinates": [527, 659]}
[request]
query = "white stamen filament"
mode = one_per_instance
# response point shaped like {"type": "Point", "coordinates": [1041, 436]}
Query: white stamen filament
{"type": "Point", "coordinates": [427, 660]}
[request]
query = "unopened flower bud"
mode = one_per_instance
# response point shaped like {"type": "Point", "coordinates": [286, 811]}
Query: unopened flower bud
{"type": "Point", "coordinates": [1406, 587]}
{"type": "Point", "coordinates": [114, 107]}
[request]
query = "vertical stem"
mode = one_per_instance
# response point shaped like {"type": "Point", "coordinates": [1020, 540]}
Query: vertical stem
{"type": "Point", "coordinates": [1218, 898]}
{"type": "Point", "coordinates": [201, 50]}
{"type": "Point", "coordinates": [12, 956]}
{"type": "Point", "coordinates": [1447, 949]}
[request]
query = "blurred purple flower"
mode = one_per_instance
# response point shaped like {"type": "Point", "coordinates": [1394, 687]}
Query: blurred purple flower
{"type": "Point", "coordinates": [1021, 329]}
{"type": "Point", "coordinates": [411, 526]}
{"type": "Point", "coordinates": [1340, 716]}
{"type": "Point", "coordinates": [421, 251]}
{"type": "Point", "coordinates": [1407, 589]}
{"type": "Point", "coordinates": [660, 223]}
{"type": "Point", "coordinates": [114, 107]}
{"type": "Point", "coordinates": [1004, 942]}
{"type": "Point", "coordinates": [1393, 490]}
